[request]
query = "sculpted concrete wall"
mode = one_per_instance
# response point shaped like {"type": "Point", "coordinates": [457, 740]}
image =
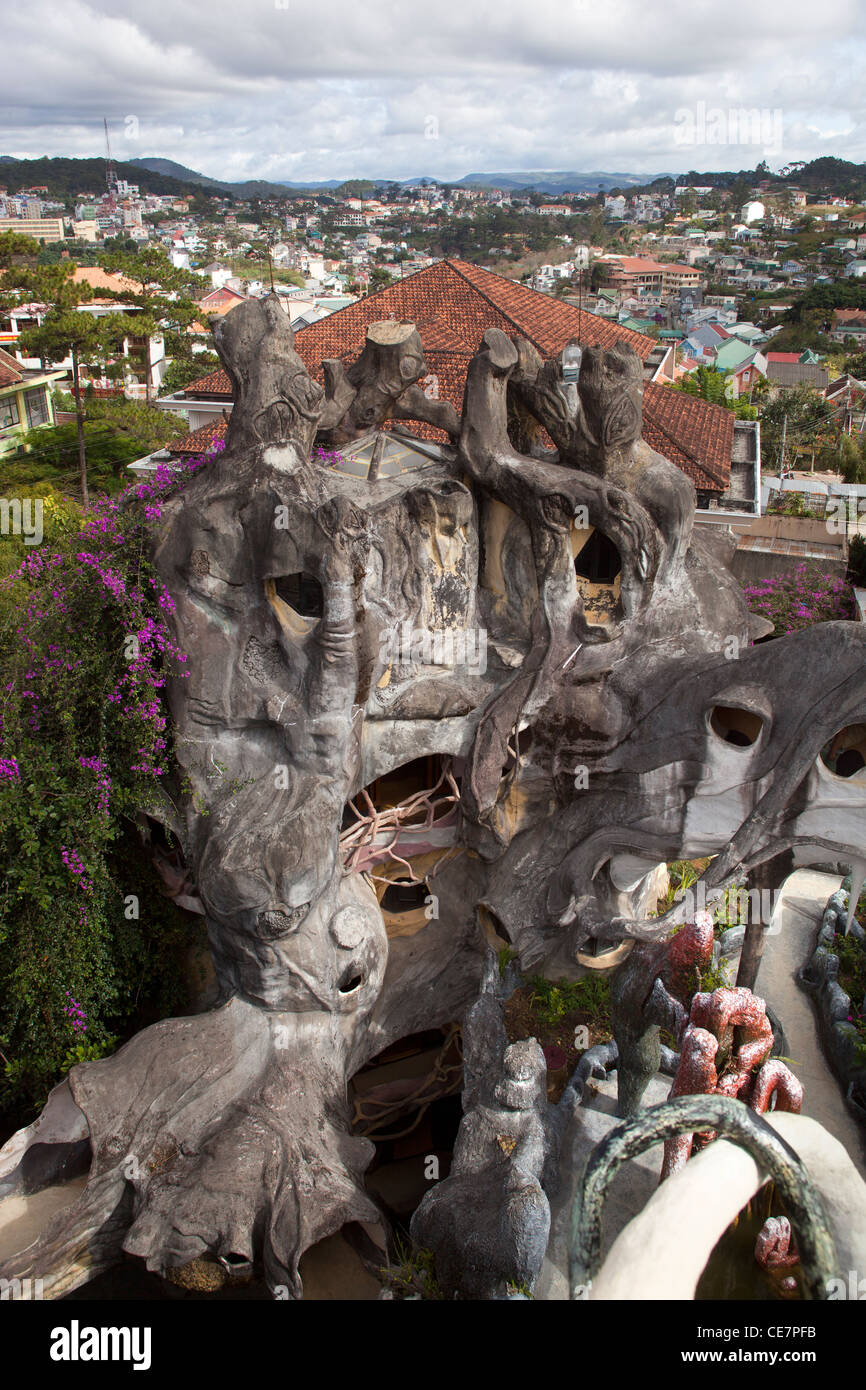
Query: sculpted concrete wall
{"type": "Point", "coordinates": [614, 716]}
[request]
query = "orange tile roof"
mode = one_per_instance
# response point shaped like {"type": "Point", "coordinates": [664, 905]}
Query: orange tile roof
{"type": "Point", "coordinates": [221, 301]}
{"type": "Point", "coordinates": [634, 265]}
{"type": "Point", "coordinates": [452, 303]}
{"type": "Point", "coordinates": [692, 433]}
{"type": "Point", "coordinates": [465, 300]}
{"type": "Point", "coordinates": [216, 383]}
{"type": "Point", "coordinates": [10, 371]}
{"type": "Point", "coordinates": [200, 440]}
{"type": "Point", "coordinates": [99, 279]}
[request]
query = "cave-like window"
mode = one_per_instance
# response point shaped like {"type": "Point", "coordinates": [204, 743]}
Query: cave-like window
{"type": "Point", "coordinates": [845, 755]}
{"type": "Point", "coordinates": [393, 788]}
{"type": "Point", "coordinates": [302, 592]}
{"type": "Point", "coordinates": [402, 896]}
{"type": "Point", "coordinates": [739, 727]}
{"type": "Point", "coordinates": [599, 561]}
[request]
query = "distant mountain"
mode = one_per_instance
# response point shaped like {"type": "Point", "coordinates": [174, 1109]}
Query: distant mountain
{"type": "Point", "coordinates": [67, 177]}
{"type": "Point", "coordinates": [251, 188]}
{"type": "Point", "coordinates": [155, 175]}
{"type": "Point", "coordinates": [173, 170]}
{"type": "Point", "coordinates": [545, 181]}
{"type": "Point", "coordinates": [533, 180]}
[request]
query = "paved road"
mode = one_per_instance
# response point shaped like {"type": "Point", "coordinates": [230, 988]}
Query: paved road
{"type": "Point", "coordinates": [798, 913]}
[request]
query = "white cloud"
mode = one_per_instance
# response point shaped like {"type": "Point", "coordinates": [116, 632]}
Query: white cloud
{"type": "Point", "coordinates": [348, 89]}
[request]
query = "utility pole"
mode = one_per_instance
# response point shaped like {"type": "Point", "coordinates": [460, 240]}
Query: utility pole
{"type": "Point", "coordinates": [110, 176]}
{"type": "Point", "coordinates": [782, 457]}
{"type": "Point", "coordinates": [580, 304]}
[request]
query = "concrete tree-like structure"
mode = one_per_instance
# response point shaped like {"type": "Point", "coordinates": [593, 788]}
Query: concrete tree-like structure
{"type": "Point", "coordinates": [620, 718]}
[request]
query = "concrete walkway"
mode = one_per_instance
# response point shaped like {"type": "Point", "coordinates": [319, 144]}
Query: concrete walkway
{"type": "Point", "coordinates": [797, 916]}
{"type": "Point", "coordinates": [788, 945]}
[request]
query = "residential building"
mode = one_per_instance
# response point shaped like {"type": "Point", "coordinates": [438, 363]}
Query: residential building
{"type": "Point", "coordinates": [848, 323]}
{"type": "Point", "coordinates": [782, 374]}
{"type": "Point", "coordinates": [47, 229]}
{"type": "Point", "coordinates": [134, 351]}
{"type": "Point", "coordinates": [217, 274]}
{"type": "Point", "coordinates": [732, 354]}
{"type": "Point", "coordinates": [86, 231]}
{"type": "Point", "coordinates": [633, 273]}
{"type": "Point", "coordinates": [221, 300]}
{"type": "Point", "coordinates": [705, 340]}
{"type": "Point", "coordinates": [747, 373]}
{"type": "Point", "coordinates": [25, 400]}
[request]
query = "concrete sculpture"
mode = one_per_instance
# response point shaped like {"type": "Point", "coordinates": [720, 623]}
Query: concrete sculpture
{"type": "Point", "coordinates": [620, 718]}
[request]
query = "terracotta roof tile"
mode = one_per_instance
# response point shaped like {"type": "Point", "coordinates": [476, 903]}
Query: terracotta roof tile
{"type": "Point", "coordinates": [200, 440]}
{"type": "Point", "coordinates": [465, 300]}
{"type": "Point", "coordinates": [99, 279]}
{"type": "Point", "coordinates": [214, 384]}
{"type": "Point", "coordinates": [452, 303]}
{"type": "Point", "coordinates": [10, 370]}
{"type": "Point", "coordinates": [692, 433]}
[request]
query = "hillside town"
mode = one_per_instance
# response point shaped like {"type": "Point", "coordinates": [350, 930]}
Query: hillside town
{"type": "Point", "coordinates": [764, 292]}
{"type": "Point", "coordinates": [743, 302]}
{"type": "Point", "coordinates": [432, 631]}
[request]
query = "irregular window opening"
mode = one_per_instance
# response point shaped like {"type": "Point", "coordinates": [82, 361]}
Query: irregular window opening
{"type": "Point", "coordinates": [739, 727]}
{"type": "Point", "coordinates": [302, 592]}
{"type": "Point", "coordinates": [517, 748]}
{"type": "Point", "coordinates": [849, 762]}
{"type": "Point", "coordinates": [405, 783]}
{"type": "Point", "coordinates": [604, 955]}
{"type": "Point", "coordinates": [493, 927]}
{"type": "Point", "coordinates": [395, 1097]}
{"type": "Point", "coordinates": [598, 560]}
{"type": "Point", "coordinates": [350, 981]}
{"type": "Point", "coordinates": [403, 895]}
{"type": "Point", "coordinates": [598, 572]}
{"type": "Point", "coordinates": [345, 1260]}
{"type": "Point", "coordinates": [409, 812]}
{"type": "Point", "coordinates": [845, 754]}
{"type": "Point", "coordinates": [732, 1273]}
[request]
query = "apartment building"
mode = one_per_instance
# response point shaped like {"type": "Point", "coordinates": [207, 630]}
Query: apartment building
{"type": "Point", "coordinates": [42, 228]}
{"type": "Point", "coordinates": [633, 274]}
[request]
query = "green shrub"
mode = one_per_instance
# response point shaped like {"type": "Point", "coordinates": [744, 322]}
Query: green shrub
{"type": "Point", "coordinates": [857, 559]}
{"type": "Point", "coordinates": [554, 1000]}
{"type": "Point", "coordinates": [84, 747]}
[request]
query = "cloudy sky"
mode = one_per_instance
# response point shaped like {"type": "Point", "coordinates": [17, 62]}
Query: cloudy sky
{"type": "Point", "coordinates": [288, 89]}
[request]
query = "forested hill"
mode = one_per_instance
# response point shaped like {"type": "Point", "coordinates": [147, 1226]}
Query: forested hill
{"type": "Point", "coordinates": [64, 178]}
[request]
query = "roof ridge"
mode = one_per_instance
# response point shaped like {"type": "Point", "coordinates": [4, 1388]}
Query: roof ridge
{"type": "Point", "coordinates": [486, 297]}
{"type": "Point", "coordinates": [516, 285]}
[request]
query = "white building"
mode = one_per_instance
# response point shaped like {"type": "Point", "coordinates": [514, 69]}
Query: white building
{"type": "Point", "coordinates": [752, 212]}
{"type": "Point", "coordinates": [219, 274]}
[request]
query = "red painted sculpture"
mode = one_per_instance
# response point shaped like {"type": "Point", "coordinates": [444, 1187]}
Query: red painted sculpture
{"type": "Point", "coordinates": [725, 1051]}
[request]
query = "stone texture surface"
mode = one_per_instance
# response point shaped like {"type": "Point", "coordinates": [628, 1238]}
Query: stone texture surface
{"type": "Point", "coordinates": [584, 749]}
